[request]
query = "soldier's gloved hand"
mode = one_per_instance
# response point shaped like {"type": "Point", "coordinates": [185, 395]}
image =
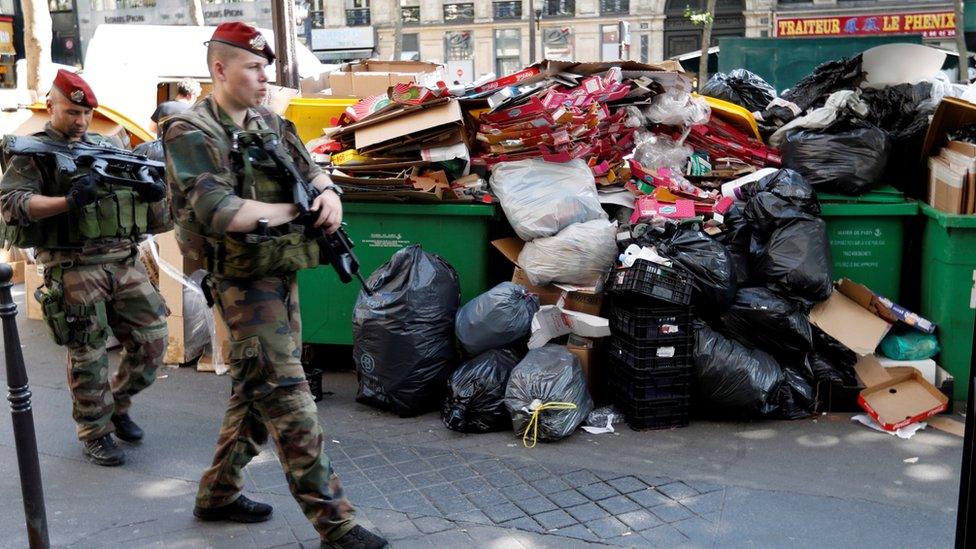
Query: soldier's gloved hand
{"type": "Point", "coordinates": [150, 192]}
{"type": "Point", "coordinates": [82, 192]}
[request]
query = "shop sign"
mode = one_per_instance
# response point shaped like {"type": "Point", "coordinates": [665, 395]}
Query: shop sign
{"type": "Point", "coordinates": [930, 25]}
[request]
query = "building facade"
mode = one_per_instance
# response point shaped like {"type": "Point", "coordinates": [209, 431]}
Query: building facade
{"type": "Point", "coordinates": [475, 37]}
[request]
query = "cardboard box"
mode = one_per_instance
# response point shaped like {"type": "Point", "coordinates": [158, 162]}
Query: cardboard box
{"type": "Point", "coordinates": [585, 349]}
{"type": "Point", "coordinates": [411, 123]}
{"type": "Point", "coordinates": [573, 299]}
{"type": "Point", "coordinates": [926, 367]}
{"type": "Point", "coordinates": [896, 399]}
{"type": "Point", "coordinates": [372, 77]}
{"type": "Point", "coordinates": [850, 315]}
{"type": "Point", "coordinates": [947, 186]}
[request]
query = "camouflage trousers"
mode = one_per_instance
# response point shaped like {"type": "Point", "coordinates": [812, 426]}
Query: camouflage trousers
{"type": "Point", "coordinates": [135, 312]}
{"type": "Point", "coordinates": [270, 396]}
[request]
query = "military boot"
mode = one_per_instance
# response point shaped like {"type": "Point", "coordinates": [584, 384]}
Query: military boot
{"type": "Point", "coordinates": [126, 429]}
{"type": "Point", "coordinates": [357, 538]}
{"type": "Point", "coordinates": [103, 451]}
{"type": "Point", "coordinates": [240, 510]}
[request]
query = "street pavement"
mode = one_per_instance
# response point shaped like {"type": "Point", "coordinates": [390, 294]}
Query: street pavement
{"type": "Point", "coordinates": [823, 482]}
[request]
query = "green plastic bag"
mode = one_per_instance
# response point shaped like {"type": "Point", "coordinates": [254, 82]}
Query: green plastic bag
{"type": "Point", "coordinates": [909, 344]}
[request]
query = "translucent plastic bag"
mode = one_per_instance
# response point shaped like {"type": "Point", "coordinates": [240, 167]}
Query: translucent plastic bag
{"type": "Point", "coordinates": [547, 395]}
{"type": "Point", "coordinates": [678, 108]}
{"type": "Point", "coordinates": [580, 254]}
{"type": "Point", "coordinates": [496, 318]}
{"type": "Point", "coordinates": [655, 151]}
{"type": "Point", "coordinates": [541, 198]}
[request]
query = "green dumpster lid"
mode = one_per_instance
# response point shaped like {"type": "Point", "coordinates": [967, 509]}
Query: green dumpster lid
{"type": "Point", "coordinates": [948, 219]}
{"type": "Point", "coordinates": [406, 208]}
{"type": "Point", "coordinates": [882, 195]}
{"type": "Point", "coordinates": [875, 209]}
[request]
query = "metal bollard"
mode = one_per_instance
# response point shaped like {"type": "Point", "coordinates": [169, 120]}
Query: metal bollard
{"type": "Point", "coordinates": [19, 395]}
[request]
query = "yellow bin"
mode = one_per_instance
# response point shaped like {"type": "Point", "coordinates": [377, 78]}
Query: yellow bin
{"type": "Point", "coordinates": [313, 114]}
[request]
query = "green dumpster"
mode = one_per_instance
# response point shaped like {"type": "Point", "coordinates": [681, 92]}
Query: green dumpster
{"type": "Point", "coordinates": [456, 232]}
{"type": "Point", "coordinates": [949, 288]}
{"type": "Point", "coordinates": [867, 237]}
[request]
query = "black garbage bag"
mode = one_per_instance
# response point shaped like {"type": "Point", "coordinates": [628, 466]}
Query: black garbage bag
{"type": "Point", "coordinates": [797, 398]}
{"type": "Point", "coordinates": [475, 400]}
{"type": "Point", "coordinates": [831, 361]}
{"type": "Point", "coordinates": [403, 334]}
{"type": "Point", "coordinates": [813, 89]}
{"type": "Point", "coordinates": [788, 185]}
{"type": "Point", "coordinates": [848, 157]}
{"type": "Point", "coordinates": [762, 319]}
{"type": "Point", "coordinates": [742, 87]}
{"type": "Point", "coordinates": [903, 111]}
{"type": "Point", "coordinates": [966, 134]}
{"type": "Point", "coordinates": [736, 237]}
{"type": "Point", "coordinates": [708, 261]}
{"type": "Point", "coordinates": [734, 378]}
{"type": "Point", "coordinates": [796, 260]}
{"type": "Point", "coordinates": [766, 211]}
{"type": "Point", "coordinates": [496, 318]}
{"type": "Point", "coordinates": [548, 374]}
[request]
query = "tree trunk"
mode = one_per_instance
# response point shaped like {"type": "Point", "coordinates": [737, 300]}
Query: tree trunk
{"type": "Point", "coordinates": [196, 13]}
{"type": "Point", "coordinates": [38, 35]}
{"type": "Point", "coordinates": [961, 42]}
{"type": "Point", "coordinates": [706, 42]}
{"type": "Point", "coordinates": [397, 31]}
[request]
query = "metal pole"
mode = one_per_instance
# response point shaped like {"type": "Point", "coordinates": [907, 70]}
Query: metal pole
{"type": "Point", "coordinates": [966, 512]}
{"type": "Point", "coordinates": [285, 34]}
{"type": "Point", "coordinates": [531, 33]}
{"type": "Point", "coordinates": [19, 395]}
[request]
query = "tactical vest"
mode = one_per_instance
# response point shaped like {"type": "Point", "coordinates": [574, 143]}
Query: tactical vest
{"type": "Point", "coordinates": [286, 248]}
{"type": "Point", "coordinates": [117, 213]}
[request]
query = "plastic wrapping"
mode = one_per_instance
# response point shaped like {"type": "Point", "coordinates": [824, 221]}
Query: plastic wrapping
{"type": "Point", "coordinates": [708, 262]}
{"type": "Point", "coordinates": [601, 417]}
{"type": "Point", "coordinates": [655, 151]}
{"type": "Point", "coordinates": [475, 401]}
{"type": "Point", "coordinates": [848, 157]}
{"type": "Point", "coordinates": [546, 375]}
{"type": "Point", "coordinates": [541, 198]}
{"type": "Point", "coordinates": [796, 260]}
{"type": "Point", "coordinates": [196, 335]}
{"type": "Point", "coordinates": [216, 354]}
{"type": "Point", "coordinates": [841, 105]}
{"type": "Point", "coordinates": [742, 87]}
{"type": "Point", "coordinates": [733, 378]}
{"type": "Point", "coordinates": [909, 344]}
{"type": "Point", "coordinates": [580, 254]}
{"type": "Point", "coordinates": [403, 334]}
{"type": "Point", "coordinates": [678, 108]}
{"type": "Point", "coordinates": [763, 320]}
{"type": "Point", "coordinates": [500, 316]}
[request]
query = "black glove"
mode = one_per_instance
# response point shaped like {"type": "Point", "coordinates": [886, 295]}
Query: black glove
{"type": "Point", "coordinates": [82, 192]}
{"type": "Point", "coordinates": [151, 192]}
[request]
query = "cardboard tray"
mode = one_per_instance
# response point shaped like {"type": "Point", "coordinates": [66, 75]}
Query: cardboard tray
{"type": "Point", "coordinates": [904, 399]}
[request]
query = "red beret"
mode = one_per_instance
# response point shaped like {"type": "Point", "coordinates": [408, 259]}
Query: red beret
{"type": "Point", "coordinates": [244, 36]}
{"type": "Point", "coordinates": [75, 89]}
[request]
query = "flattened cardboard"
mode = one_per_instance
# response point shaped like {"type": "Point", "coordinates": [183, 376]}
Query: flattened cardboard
{"type": "Point", "coordinates": [950, 115]}
{"type": "Point", "coordinates": [945, 424]}
{"type": "Point", "coordinates": [850, 323]}
{"type": "Point", "coordinates": [448, 112]}
{"type": "Point", "coordinates": [947, 185]}
{"type": "Point", "coordinates": [371, 77]}
{"type": "Point", "coordinates": [902, 400]}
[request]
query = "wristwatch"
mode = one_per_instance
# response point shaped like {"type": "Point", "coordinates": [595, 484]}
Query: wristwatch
{"type": "Point", "coordinates": [332, 187]}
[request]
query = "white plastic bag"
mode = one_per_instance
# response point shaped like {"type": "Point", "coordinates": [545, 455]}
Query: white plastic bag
{"type": "Point", "coordinates": [580, 254]}
{"type": "Point", "coordinates": [541, 198]}
{"type": "Point", "coordinates": [678, 108]}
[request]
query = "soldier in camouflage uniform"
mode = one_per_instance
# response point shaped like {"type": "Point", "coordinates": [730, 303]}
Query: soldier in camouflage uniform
{"type": "Point", "coordinates": [93, 277]}
{"type": "Point", "coordinates": [234, 214]}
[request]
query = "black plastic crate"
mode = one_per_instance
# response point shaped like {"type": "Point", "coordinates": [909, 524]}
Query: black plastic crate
{"type": "Point", "coordinates": [648, 279]}
{"type": "Point", "coordinates": [649, 323]}
{"type": "Point", "coordinates": [642, 386]}
{"type": "Point", "coordinates": [665, 352]}
{"type": "Point", "coordinates": [658, 414]}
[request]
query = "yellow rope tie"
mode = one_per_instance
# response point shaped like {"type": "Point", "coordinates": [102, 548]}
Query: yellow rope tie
{"type": "Point", "coordinates": [534, 420]}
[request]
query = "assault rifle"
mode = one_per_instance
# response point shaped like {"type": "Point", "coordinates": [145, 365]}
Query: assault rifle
{"type": "Point", "coordinates": [107, 164]}
{"type": "Point", "coordinates": [336, 248]}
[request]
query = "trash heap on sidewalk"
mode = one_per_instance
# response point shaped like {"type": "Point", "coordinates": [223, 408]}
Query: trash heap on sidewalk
{"type": "Point", "coordinates": [616, 180]}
